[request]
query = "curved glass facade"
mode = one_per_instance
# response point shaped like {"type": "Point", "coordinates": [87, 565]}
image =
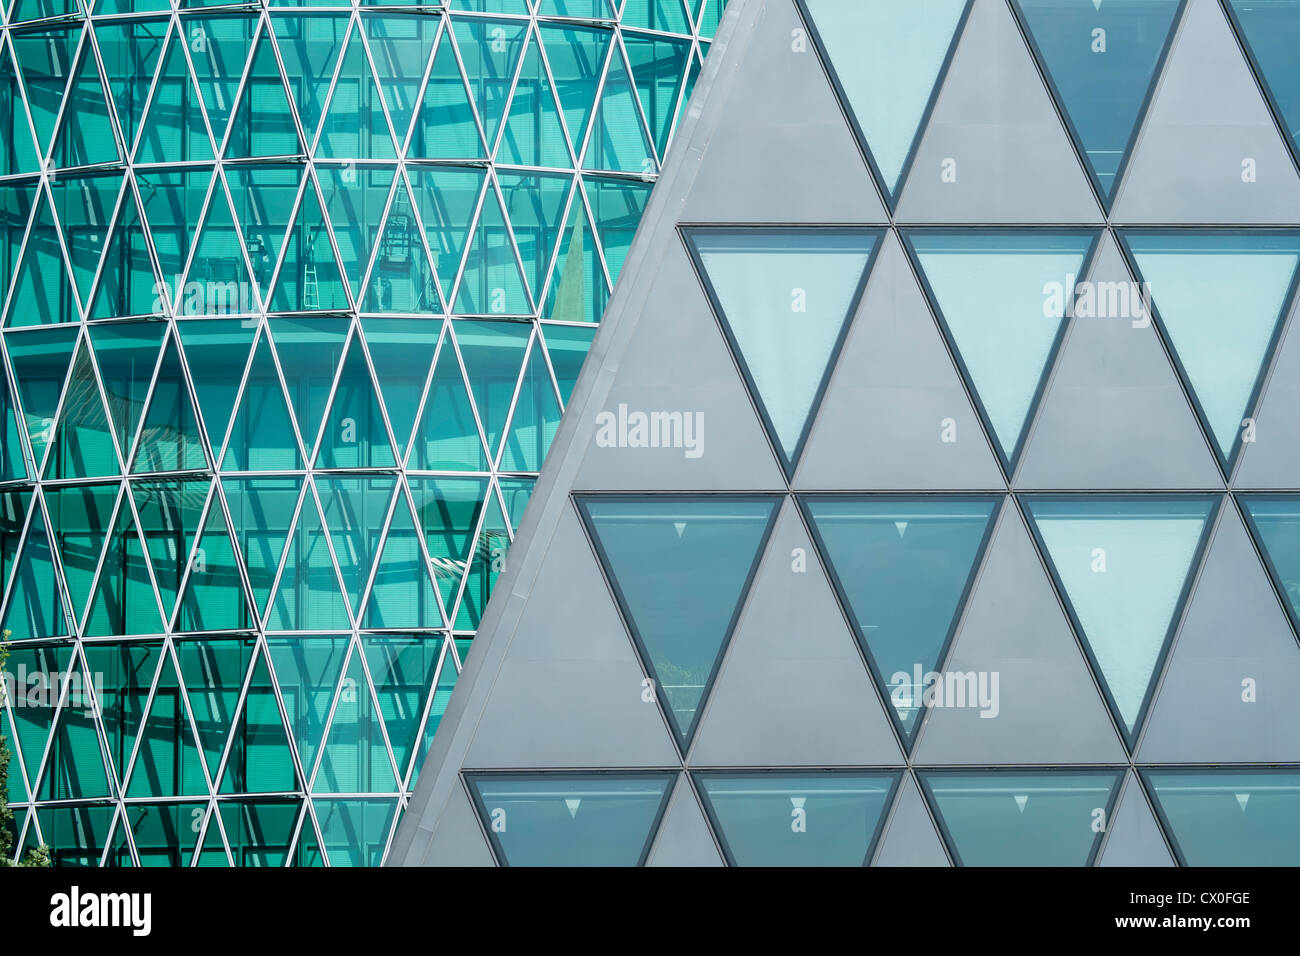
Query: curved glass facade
{"type": "Point", "coordinates": [293, 298]}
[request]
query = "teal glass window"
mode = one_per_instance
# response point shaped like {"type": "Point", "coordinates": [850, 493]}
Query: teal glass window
{"type": "Point", "coordinates": [903, 567]}
{"type": "Point", "coordinates": [786, 299]}
{"type": "Point", "coordinates": [1003, 297]}
{"type": "Point", "coordinates": [1275, 521]}
{"type": "Point", "coordinates": [681, 567]}
{"type": "Point", "coordinates": [1220, 298]}
{"type": "Point", "coordinates": [560, 819]}
{"type": "Point", "coordinates": [1124, 566]}
{"type": "Point", "coordinates": [1267, 29]}
{"type": "Point", "coordinates": [1022, 818]}
{"type": "Point", "coordinates": [797, 819]}
{"type": "Point", "coordinates": [1238, 817]}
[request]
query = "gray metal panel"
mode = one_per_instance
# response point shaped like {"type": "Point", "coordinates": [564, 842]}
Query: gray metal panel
{"type": "Point", "coordinates": [1135, 838]}
{"type": "Point", "coordinates": [910, 838]}
{"type": "Point", "coordinates": [568, 693]}
{"type": "Point", "coordinates": [1206, 119]}
{"type": "Point", "coordinates": [1048, 707]}
{"type": "Point", "coordinates": [684, 837]}
{"type": "Point", "coordinates": [1272, 460]}
{"type": "Point", "coordinates": [793, 690]}
{"type": "Point", "coordinates": [995, 119]}
{"type": "Point", "coordinates": [1113, 398]}
{"type": "Point", "coordinates": [678, 361]}
{"type": "Point", "coordinates": [882, 423]}
{"type": "Point", "coordinates": [458, 839]}
{"type": "Point", "coordinates": [783, 150]}
{"type": "Point", "coordinates": [1235, 630]}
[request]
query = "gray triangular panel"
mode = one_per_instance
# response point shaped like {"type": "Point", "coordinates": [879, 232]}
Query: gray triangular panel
{"type": "Point", "coordinates": [1207, 119]}
{"type": "Point", "coordinates": [782, 150]}
{"type": "Point", "coordinates": [893, 392]}
{"type": "Point", "coordinates": [1047, 708]}
{"type": "Point", "coordinates": [458, 840]}
{"type": "Point", "coordinates": [995, 120]}
{"type": "Point", "coordinates": [910, 838]}
{"type": "Point", "coordinates": [684, 838]}
{"type": "Point", "coordinates": [569, 690]}
{"type": "Point", "coordinates": [793, 690]}
{"type": "Point", "coordinates": [1272, 460]}
{"type": "Point", "coordinates": [677, 361]}
{"type": "Point", "coordinates": [1234, 631]}
{"type": "Point", "coordinates": [1135, 838]}
{"type": "Point", "coordinates": [1114, 397]}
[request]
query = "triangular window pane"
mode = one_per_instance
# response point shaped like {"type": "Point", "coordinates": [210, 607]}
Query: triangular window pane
{"type": "Point", "coordinates": [263, 198]}
{"type": "Point", "coordinates": [447, 437]}
{"type": "Point", "coordinates": [533, 134]}
{"type": "Point", "coordinates": [785, 300]}
{"type": "Point", "coordinates": [217, 352]}
{"type": "Point", "coordinates": [402, 593]}
{"type": "Point", "coordinates": [259, 759]}
{"type": "Point", "coordinates": [658, 69]}
{"type": "Point", "coordinates": [74, 766]}
{"type": "Point", "coordinates": [75, 835]}
{"type": "Point", "coordinates": [354, 512]}
{"type": "Point", "coordinates": [569, 819]}
{"type": "Point", "coordinates": [1003, 298]}
{"type": "Point", "coordinates": [355, 199]}
{"type": "Point", "coordinates": [35, 608]}
{"type": "Point", "coordinates": [20, 157]}
{"type": "Point", "coordinates": [41, 360]}
{"type": "Point", "coordinates": [493, 353]}
{"type": "Point", "coordinates": [83, 441]}
{"type": "Point", "coordinates": [173, 203]}
{"type": "Point", "coordinates": [308, 598]}
{"type": "Point", "coordinates": [13, 465]}
{"type": "Point", "coordinates": [85, 206]}
{"type": "Point", "coordinates": [887, 59]}
{"type": "Point", "coordinates": [490, 50]}
{"type": "Point", "coordinates": [213, 599]}
{"type": "Point", "coordinates": [165, 833]}
{"type": "Point", "coordinates": [307, 670]}
{"type": "Point", "coordinates": [402, 669]}
{"type": "Point", "coordinates": [1123, 565]}
{"type": "Point", "coordinates": [128, 285]}
{"type": "Point", "coordinates": [15, 210]}
{"type": "Point", "coordinates": [43, 293]}
{"type": "Point", "coordinates": [130, 50]}
{"type": "Point", "coordinates": [617, 205]}
{"type": "Point", "coordinates": [80, 518]}
{"type": "Point", "coordinates": [355, 126]}
{"type": "Point", "coordinates": [126, 672]}
{"type": "Point", "coordinates": [310, 278]}
{"type": "Point", "coordinates": [536, 417]}
{"type": "Point", "coordinates": [445, 127]}
{"type": "Point", "coordinates": [218, 282]}
{"type": "Point", "coordinates": [800, 819]}
{"type": "Point", "coordinates": [681, 567]}
{"type": "Point", "coordinates": [402, 352]}
{"type": "Point", "coordinates": [568, 347]}
{"type": "Point", "coordinates": [448, 511]}
{"type": "Point", "coordinates": [492, 283]}
{"type": "Point", "coordinates": [86, 132]}
{"type": "Point", "coordinates": [45, 60]}
{"type": "Point", "coordinates": [173, 129]}
{"type": "Point", "coordinates": [535, 205]}
{"type": "Point", "coordinates": [400, 47]}
{"type": "Point", "coordinates": [169, 520]}
{"type": "Point", "coordinates": [262, 511]}
{"type": "Point", "coordinates": [169, 438]}
{"type": "Point", "coordinates": [124, 601]}
{"type": "Point", "coordinates": [355, 435]}
{"type": "Point", "coordinates": [1220, 299]}
{"type": "Point", "coordinates": [213, 672]}
{"type": "Point", "coordinates": [401, 276]}
{"type": "Point", "coordinates": [262, 438]}
{"type": "Point", "coordinates": [311, 47]}
{"type": "Point", "coordinates": [355, 832]}
{"type": "Point", "coordinates": [447, 197]}
{"type": "Point", "coordinates": [618, 137]}
{"type": "Point", "coordinates": [1275, 522]}
{"type": "Point", "coordinates": [168, 761]}
{"type": "Point", "coordinates": [1229, 817]}
{"type": "Point", "coordinates": [1038, 818]}
{"type": "Point", "coordinates": [219, 49]}
{"type": "Point", "coordinates": [577, 57]}
{"type": "Point", "coordinates": [309, 351]}
{"type": "Point", "coordinates": [577, 292]}
{"type": "Point", "coordinates": [263, 125]}
{"type": "Point", "coordinates": [260, 833]}
{"type": "Point", "coordinates": [354, 758]}
{"type": "Point", "coordinates": [485, 566]}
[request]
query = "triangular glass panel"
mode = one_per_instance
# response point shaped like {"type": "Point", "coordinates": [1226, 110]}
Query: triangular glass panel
{"type": "Point", "coordinates": [823, 818]}
{"type": "Point", "coordinates": [448, 511]}
{"type": "Point", "coordinates": [82, 446]}
{"type": "Point", "coordinates": [903, 568]}
{"type": "Point", "coordinates": [447, 436]}
{"type": "Point", "coordinates": [169, 438]}
{"type": "Point", "coordinates": [166, 833]}
{"type": "Point", "coordinates": [355, 510]}
{"type": "Point", "coordinates": [40, 360]}
{"type": "Point", "coordinates": [578, 292]}
{"type": "Point", "coordinates": [124, 601]}
{"type": "Point", "coordinates": [262, 511]}
{"type": "Point", "coordinates": [447, 197]}
{"type": "Point", "coordinates": [32, 708]}
{"type": "Point", "coordinates": [219, 49]}
{"type": "Point", "coordinates": [21, 156]}
{"type": "Point", "coordinates": [310, 278]}
{"type": "Point", "coordinates": [259, 758]}
{"type": "Point", "coordinates": [263, 198]}
{"type": "Point", "coordinates": [263, 123]}
{"type": "Point", "coordinates": [308, 852]}
{"type": "Point", "coordinates": [15, 211]}
{"type": "Point", "coordinates": [703, 551]}
{"type": "Point", "coordinates": [493, 353]}
{"type": "Point", "coordinates": [445, 127]}
{"type": "Point", "coordinates": [173, 202]}
{"type": "Point", "coordinates": [81, 517]}
{"type": "Point", "coordinates": [13, 464]}
{"type": "Point", "coordinates": [262, 437]}
{"type": "Point", "coordinates": [533, 133]}
{"type": "Point", "coordinates": [126, 672]}
{"type": "Point", "coordinates": [618, 137]}
{"type": "Point", "coordinates": [213, 599]}
{"type": "Point", "coordinates": [577, 56]}
{"type": "Point", "coordinates": [402, 352]}
{"type": "Point", "coordinates": [658, 70]}
{"type": "Point", "coordinates": [1275, 523]}
{"type": "Point", "coordinates": [213, 852]}
{"type": "Point", "coordinates": [173, 129]}
{"type": "Point", "coordinates": [354, 758]}
{"type": "Point", "coordinates": [1102, 65]}
{"type": "Point", "coordinates": [308, 598]}
{"type": "Point", "coordinates": [1022, 818]}
{"type": "Point", "coordinates": [169, 521]}
{"type": "Point", "coordinates": [218, 282]}
{"type": "Point", "coordinates": [665, 15]}
{"type": "Point", "coordinates": [535, 205]}
{"type": "Point", "coordinates": [566, 819]}
{"type": "Point", "coordinates": [214, 671]}
{"type": "Point", "coordinates": [355, 199]}
{"type": "Point", "coordinates": [354, 126]}
{"type": "Point", "coordinates": [401, 275]}
{"type": "Point", "coordinates": [1124, 566]}
{"type": "Point", "coordinates": [76, 835]}
{"type": "Point", "coordinates": [516, 492]}
{"type": "Point", "coordinates": [402, 592]}
{"type": "Point", "coordinates": [74, 764]}
{"type": "Point", "coordinates": [130, 50]}
{"type": "Point", "coordinates": [536, 417]}
{"type": "Point", "coordinates": [260, 833]}
{"type": "Point", "coordinates": [889, 82]}
{"type": "Point", "coordinates": [400, 45]}
{"type": "Point", "coordinates": [45, 60]}
{"type": "Point", "coordinates": [86, 132]}
{"type": "Point", "coordinates": [1229, 817]}
{"type": "Point", "coordinates": [311, 47]}
{"type": "Point", "coordinates": [128, 285]}
{"type": "Point", "coordinates": [402, 669]}
{"type": "Point", "coordinates": [491, 283]}
{"type": "Point", "coordinates": [617, 205]}
{"type": "Point", "coordinates": [1265, 29]}
{"type": "Point", "coordinates": [567, 347]}
{"type": "Point", "coordinates": [216, 351]}
{"type": "Point", "coordinates": [490, 50]}
{"type": "Point", "coordinates": [35, 608]}
{"type": "Point", "coordinates": [355, 832]}
{"type": "Point", "coordinates": [85, 207]}
{"type": "Point", "coordinates": [440, 698]}
{"type": "Point", "coordinates": [42, 290]}
{"type": "Point", "coordinates": [307, 670]}
{"type": "Point", "coordinates": [785, 299]}
{"type": "Point", "coordinates": [485, 566]}
{"type": "Point", "coordinates": [1196, 281]}
{"type": "Point", "coordinates": [355, 435]}
{"type": "Point", "coordinates": [1003, 298]}
{"type": "Point", "coordinates": [309, 351]}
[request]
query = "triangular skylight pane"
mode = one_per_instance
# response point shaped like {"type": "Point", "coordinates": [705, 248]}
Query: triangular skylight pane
{"type": "Point", "coordinates": [262, 438]}
{"type": "Point", "coordinates": [493, 353]}
{"type": "Point", "coordinates": [355, 435]}
{"type": "Point", "coordinates": [1230, 817]}
{"type": "Point", "coordinates": [402, 352]}
{"type": "Point", "coordinates": [1275, 522]}
{"type": "Point", "coordinates": [1267, 29]}
{"type": "Point", "coordinates": [490, 50]}
{"type": "Point", "coordinates": [311, 47]}
{"type": "Point", "coordinates": [448, 510]}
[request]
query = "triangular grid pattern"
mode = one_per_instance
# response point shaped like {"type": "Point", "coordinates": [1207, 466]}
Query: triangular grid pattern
{"type": "Point", "coordinates": [242, 405]}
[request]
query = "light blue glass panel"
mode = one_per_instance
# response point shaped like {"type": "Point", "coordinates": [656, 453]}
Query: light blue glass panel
{"type": "Point", "coordinates": [1101, 60]}
{"type": "Point", "coordinates": [785, 298]}
{"type": "Point", "coordinates": [681, 567]}
{"type": "Point", "coordinates": [1276, 524]}
{"type": "Point", "coordinates": [1230, 817]}
{"type": "Point", "coordinates": [571, 820]}
{"type": "Point", "coordinates": [1269, 29]}
{"type": "Point", "coordinates": [1220, 298]}
{"type": "Point", "coordinates": [1031, 818]}
{"type": "Point", "coordinates": [1123, 564]}
{"type": "Point", "coordinates": [887, 57]}
{"type": "Point", "coordinates": [903, 567]}
{"type": "Point", "coordinates": [797, 819]}
{"type": "Point", "coordinates": [1003, 298]}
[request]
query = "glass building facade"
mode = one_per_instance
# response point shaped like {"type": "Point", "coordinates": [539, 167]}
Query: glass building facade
{"type": "Point", "coordinates": [293, 297]}
{"type": "Point", "coordinates": [932, 495]}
